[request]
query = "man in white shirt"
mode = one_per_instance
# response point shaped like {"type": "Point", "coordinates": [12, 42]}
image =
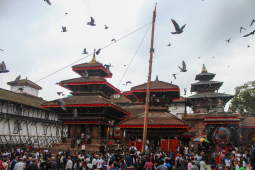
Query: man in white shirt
{"type": "Point", "coordinates": [132, 151]}
{"type": "Point", "coordinates": [94, 163]}
{"type": "Point", "coordinates": [69, 164]}
{"type": "Point", "coordinates": [186, 150]}
{"type": "Point", "coordinates": [99, 163]}
{"type": "Point", "coordinates": [20, 165]}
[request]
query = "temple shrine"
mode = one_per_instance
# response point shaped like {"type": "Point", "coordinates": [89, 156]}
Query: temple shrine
{"type": "Point", "coordinates": [165, 130]}
{"type": "Point", "coordinates": [90, 109]}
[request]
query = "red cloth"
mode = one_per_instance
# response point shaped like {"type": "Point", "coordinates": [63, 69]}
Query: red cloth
{"type": "Point", "coordinates": [218, 160]}
{"type": "Point", "coordinates": [148, 165]}
{"type": "Point", "coordinates": [226, 149]}
{"type": "Point", "coordinates": [219, 149]}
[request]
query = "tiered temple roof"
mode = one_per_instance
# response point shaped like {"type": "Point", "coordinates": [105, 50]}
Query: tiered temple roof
{"type": "Point", "coordinates": [206, 95]}
{"type": "Point", "coordinates": [91, 97]}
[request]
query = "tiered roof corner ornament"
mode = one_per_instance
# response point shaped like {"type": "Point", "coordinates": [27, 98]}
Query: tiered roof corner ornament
{"type": "Point", "coordinates": [204, 69]}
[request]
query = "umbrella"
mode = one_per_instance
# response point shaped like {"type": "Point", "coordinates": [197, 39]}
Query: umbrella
{"type": "Point", "coordinates": [200, 140]}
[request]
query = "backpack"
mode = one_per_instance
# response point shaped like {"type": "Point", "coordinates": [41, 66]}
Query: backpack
{"type": "Point", "coordinates": [132, 150]}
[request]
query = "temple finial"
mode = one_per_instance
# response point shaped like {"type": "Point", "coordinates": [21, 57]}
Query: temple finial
{"type": "Point", "coordinates": [156, 78]}
{"type": "Point", "coordinates": [204, 69]}
{"type": "Point", "coordinates": [94, 58]}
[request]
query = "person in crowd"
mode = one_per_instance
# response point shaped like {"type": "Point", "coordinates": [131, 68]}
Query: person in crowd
{"type": "Point", "coordinates": [33, 165]}
{"type": "Point", "coordinates": [148, 165]}
{"type": "Point", "coordinates": [194, 167]}
{"type": "Point", "coordinates": [132, 151]}
{"type": "Point", "coordinates": [69, 164]}
{"type": "Point", "coordinates": [184, 163]}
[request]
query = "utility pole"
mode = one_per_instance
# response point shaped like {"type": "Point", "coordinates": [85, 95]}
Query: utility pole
{"type": "Point", "coordinates": [149, 84]}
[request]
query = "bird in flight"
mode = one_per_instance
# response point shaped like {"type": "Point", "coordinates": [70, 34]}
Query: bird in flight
{"type": "Point", "coordinates": [128, 82]}
{"type": "Point", "coordinates": [66, 14]}
{"type": "Point", "coordinates": [252, 22]}
{"type": "Point", "coordinates": [124, 65]}
{"type": "Point", "coordinates": [61, 103]}
{"type": "Point", "coordinates": [183, 68]}
{"type": "Point", "coordinates": [59, 93]}
{"type": "Point", "coordinates": [228, 40]}
{"type": "Point", "coordinates": [3, 68]}
{"type": "Point", "coordinates": [169, 44]}
{"type": "Point", "coordinates": [248, 46]}
{"type": "Point", "coordinates": [84, 51]}
{"type": "Point", "coordinates": [1, 50]}
{"type": "Point", "coordinates": [63, 29]}
{"type": "Point", "coordinates": [92, 22]}
{"type": "Point", "coordinates": [16, 80]}
{"type": "Point", "coordinates": [85, 74]}
{"type": "Point", "coordinates": [174, 76]}
{"type": "Point", "coordinates": [105, 27]}
{"type": "Point", "coordinates": [213, 56]}
{"type": "Point", "coordinates": [251, 33]}
{"type": "Point", "coordinates": [241, 29]}
{"type": "Point", "coordinates": [113, 40]}
{"type": "Point", "coordinates": [98, 51]}
{"type": "Point", "coordinates": [198, 57]}
{"type": "Point", "coordinates": [178, 30]}
{"type": "Point", "coordinates": [48, 2]}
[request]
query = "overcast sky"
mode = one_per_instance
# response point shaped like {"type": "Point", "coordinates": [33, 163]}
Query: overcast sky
{"type": "Point", "coordinates": [34, 46]}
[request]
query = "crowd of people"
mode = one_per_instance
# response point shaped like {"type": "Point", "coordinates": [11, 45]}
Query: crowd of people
{"type": "Point", "coordinates": [184, 158]}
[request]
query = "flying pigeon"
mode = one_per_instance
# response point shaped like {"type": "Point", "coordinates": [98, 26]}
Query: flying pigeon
{"type": "Point", "coordinates": [241, 29]}
{"type": "Point", "coordinates": [84, 51]}
{"type": "Point", "coordinates": [98, 51]}
{"type": "Point", "coordinates": [169, 44]}
{"type": "Point", "coordinates": [59, 93]}
{"type": "Point", "coordinates": [183, 69]}
{"type": "Point", "coordinates": [185, 91]}
{"type": "Point", "coordinates": [61, 103]}
{"type": "Point", "coordinates": [248, 46]}
{"type": "Point", "coordinates": [111, 122]}
{"type": "Point", "coordinates": [3, 68]}
{"type": "Point", "coordinates": [251, 33]}
{"type": "Point", "coordinates": [152, 96]}
{"type": "Point", "coordinates": [66, 14]}
{"type": "Point", "coordinates": [48, 1]}
{"type": "Point", "coordinates": [157, 99]}
{"type": "Point", "coordinates": [63, 29]}
{"type": "Point", "coordinates": [92, 22]}
{"type": "Point", "coordinates": [174, 76]}
{"type": "Point", "coordinates": [105, 27]}
{"type": "Point", "coordinates": [178, 30]}
{"type": "Point", "coordinates": [16, 80]}
{"type": "Point", "coordinates": [152, 50]}
{"type": "Point", "coordinates": [124, 65]}
{"type": "Point", "coordinates": [213, 56]}
{"type": "Point", "coordinates": [113, 40]}
{"type": "Point", "coordinates": [198, 57]}
{"type": "Point", "coordinates": [228, 40]}
{"type": "Point", "coordinates": [128, 82]}
{"type": "Point", "coordinates": [1, 50]}
{"type": "Point", "coordinates": [85, 74]}
{"type": "Point", "coordinates": [252, 22]}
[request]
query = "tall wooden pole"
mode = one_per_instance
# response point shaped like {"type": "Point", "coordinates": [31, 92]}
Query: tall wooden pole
{"type": "Point", "coordinates": [149, 84]}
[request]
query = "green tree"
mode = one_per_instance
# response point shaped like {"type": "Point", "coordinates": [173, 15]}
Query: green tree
{"type": "Point", "coordinates": [244, 99]}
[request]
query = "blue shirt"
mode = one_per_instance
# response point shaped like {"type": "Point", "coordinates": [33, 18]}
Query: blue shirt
{"type": "Point", "coordinates": [199, 158]}
{"type": "Point", "coordinates": [172, 155]}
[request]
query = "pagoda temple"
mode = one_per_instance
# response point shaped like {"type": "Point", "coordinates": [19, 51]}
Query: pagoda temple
{"type": "Point", "coordinates": [164, 129]}
{"type": "Point", "coordinates": [89, 110]}
{"type": "Point", "coordinates": [206, 96]}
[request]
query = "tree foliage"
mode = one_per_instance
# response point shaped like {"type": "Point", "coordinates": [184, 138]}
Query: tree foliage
{"type": "Point", "coordinates": [244, 99]}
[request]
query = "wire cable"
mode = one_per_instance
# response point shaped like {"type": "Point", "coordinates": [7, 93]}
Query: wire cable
{"type": "Point", "coordinates": [133, 56]}
{"type": "Point", "coordinates": [92, 53]}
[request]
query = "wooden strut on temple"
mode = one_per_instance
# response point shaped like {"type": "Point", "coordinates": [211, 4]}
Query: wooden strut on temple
{"type": "Point", "coordinates": [148, 85]}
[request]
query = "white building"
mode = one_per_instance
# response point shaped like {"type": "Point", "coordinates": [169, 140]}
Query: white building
{"type": "Point", "coordinates": [23, 120]}
{"type": "Point", "coordinates": [177, 107]}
